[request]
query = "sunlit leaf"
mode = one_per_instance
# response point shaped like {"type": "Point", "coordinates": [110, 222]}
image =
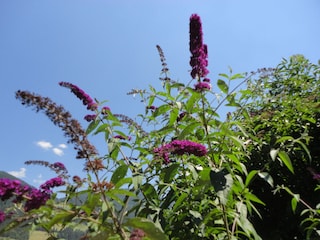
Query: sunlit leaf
{"type": "Point", "coordinates": [119, 174]}
{"type": "Point", "coordinates": [286, 160]}
{"type": "Point", "coordinates": [222, 182]}
{"type": "Point", "coordinates": [236, 76]}
{"type": "Point", "coordinates": [267, 177]}
{"type": "Point", "coordinates": [274, 153]}
{"type": "Point", "coordinates": [151, 230]}
{"type": "Point", "coordinates": [250, 176]}
{"type": "Point", "coordinates": [223, 86]}
{"type": "Point", "coordinates": [294, 201]}
{"type": "Point", "coordinates": [92, 126]}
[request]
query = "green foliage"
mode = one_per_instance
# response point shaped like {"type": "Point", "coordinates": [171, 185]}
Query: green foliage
{"type": "Point", "coordinates": [251, 179]}
{"type": "Point", "coordinates": [280, 113]}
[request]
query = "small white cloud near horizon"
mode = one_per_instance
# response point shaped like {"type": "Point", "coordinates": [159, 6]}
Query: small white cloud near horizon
{"type": "Point", "coordinates": [48, 145]}
{"type": "Point", "coordinates": [44, 145]}
{"type": "Point", "coordinates": [19, 174]}
{"type": "Point", "coordinates": [62, 146]}
{"type": "Point", "coordinates": [57, 151]}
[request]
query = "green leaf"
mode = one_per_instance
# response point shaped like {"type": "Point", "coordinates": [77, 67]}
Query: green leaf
{"type": "Point", "coordinates": [150, 193]}
{"type": "Point", "coordinates": [224, 75]}
{"type": "Point", "coordinates": [305, 148]}
{"type": "Point", "coordinates": [161, 110]}
{"type": "Point", "coordinates": [284, 139]}
{"type": "Point", "coordinates": [222, 182]}
{"type": "Point", "coordinates": [151, 230]}
{"type": "Point", "coordinates": [102, 128]}
{"type": "Point", "coordinates": [168, 173]}
{"type": "Point", "coordinates": [232, 101]}
{"type": "Point", "coordinates": [254, 198]}
{"type": "Point", "coordinates": [119, 174]}
{"type": "Point", "coordinates": [195, 96]}
{"type": "Point", "coordinates": [151, 100]}
{"type": "Point", "coordinates": [112, 144]}
{"type": "Point", "coordinates": [173, 116]}
{"type": "Point", "coordinates": [223, 86]}
{"type": "Point", "coordinates": [267, 177]}
{"type": "Point", "coordinates": [123, 192]}
{"type": "Point", "coordinates": [137, 181]}
{"type": "Point", "coordinates": [92, 126]}
{"type": "Point", "coordinates": [250, 177]}
{"type": "Point", "coordinates": [195, 214]}
{"type": "Point", "coordinates": [60, 218]}
{"type": "Point", "coordinates": [179, 203]}
{"type": "Point", "coordinates": [236, 76]}
{"type": "Point", "coordinates": [188, 129]}
{"type": "Point", "coordinates": [286, 160]}
{"type": "Point", "coordinates": [294, 201]}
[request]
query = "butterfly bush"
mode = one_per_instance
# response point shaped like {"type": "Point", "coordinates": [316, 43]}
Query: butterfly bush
{"type": "Point", "coordinates": [174, 172]}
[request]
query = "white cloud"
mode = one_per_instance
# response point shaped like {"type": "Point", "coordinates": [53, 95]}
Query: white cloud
{"type": "Point", "coordinates": [57, 151]}
{"type": "Point", "coordinates": [62, 146]}
{"type": "Point", "coordinates": [44, 144]}
{"type": "Point", "coordinates": [38, 180]}
{"type": "Point", "coordinates": [48, 145]}
{"type": "Point", "coordinates": [19, 174]}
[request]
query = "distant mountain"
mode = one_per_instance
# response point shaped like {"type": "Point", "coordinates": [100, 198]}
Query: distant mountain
{"type": "Point", "coordinates": [4, 174]}
{"type": "Point", "coordinates": [19, 233]}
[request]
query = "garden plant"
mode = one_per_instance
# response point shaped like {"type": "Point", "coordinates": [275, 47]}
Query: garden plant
{"type": "Point", "coordinates": [184, 169]}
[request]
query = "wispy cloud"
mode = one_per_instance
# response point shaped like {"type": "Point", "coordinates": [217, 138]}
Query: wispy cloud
{"type": "Point", "coordinates": [44, 145]}
{"type": "Point", "coordinates": [48, 145]}
{"type": "Point", "coordinates": [19, 174]}
{"type": "Point", "coordinates": [57, 151]}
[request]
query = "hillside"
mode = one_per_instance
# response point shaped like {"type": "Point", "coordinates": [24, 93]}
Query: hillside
{"type": "Point", "coordinates": [20, 233]}
{"type": "Point", "coordinates": [9, 176]}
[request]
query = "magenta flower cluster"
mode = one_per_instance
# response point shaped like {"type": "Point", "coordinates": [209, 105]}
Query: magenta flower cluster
{"type": "Point", "coordinates": [2, 216]}
{"type": "Point", "coordinates": [59, 166]}
{"type": "Point", "coordinates": [85, 98]}
{"type": "Point", "coordinates": [204, 85]}
{"type": "Point", "coordinates": [199, 51]}
{"type": "Point", "coordinates": [137, 234]}
{"type": "Point", "coordinates": [90, 117]}
{"type": "Point", "coordinates": [53, 182]}
{"type": "Point", "coordinates": [34, 198]}
{"type": "Point", "coordinates": [105, 110]}
{"type": "Point", "coordinates": [180, 147]}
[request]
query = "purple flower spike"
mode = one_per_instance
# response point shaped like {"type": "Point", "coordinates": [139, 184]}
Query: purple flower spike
{"type": "Point", "coordinates": [199, 51]}
{"type": "Point", "coordinates": [53, 182]}
{"type": "Point", "coordinates": [180, 147]}
{"type": "Point", "coordinates": [85, 98]}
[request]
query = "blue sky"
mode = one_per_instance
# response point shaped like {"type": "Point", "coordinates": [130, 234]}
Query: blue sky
{"type": "Point", "coordinates": [108, 47]}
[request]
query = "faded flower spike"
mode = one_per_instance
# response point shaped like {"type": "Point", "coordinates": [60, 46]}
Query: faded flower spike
{"type": "Point", "coordinates": [180, 147]}
{"type": "Point", "coordinates": [85, 98]}
{"type": "Point", "coordinates": [199, 51]}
